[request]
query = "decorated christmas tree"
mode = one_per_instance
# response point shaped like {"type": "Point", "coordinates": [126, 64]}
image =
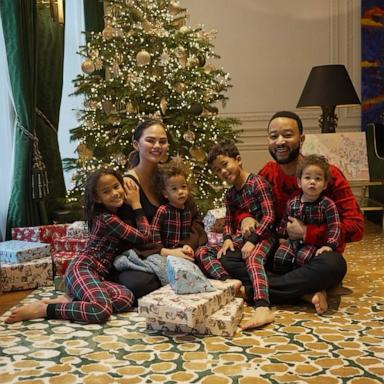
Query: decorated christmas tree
{"type": "Point", "coordinates": [148, 63]}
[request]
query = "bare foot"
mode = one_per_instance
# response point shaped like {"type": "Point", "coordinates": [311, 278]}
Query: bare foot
{"type": "Point", "coordinates": [319, 300]}
{"type": "Point", "coordinates": [58, 300]}
{"type": "Point", "coordinates": [260, 317]}
{"type": "Point", "coordinates": [237, 284]}
{"type": "Point", "coordinates": [35, 310]}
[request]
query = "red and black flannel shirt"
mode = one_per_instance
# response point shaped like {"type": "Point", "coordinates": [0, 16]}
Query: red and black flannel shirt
{"type": "Point", "coordinates": [255, 197]}
{"type": "Point", "coordinates": [321, 211]}
{"type": "Point", "coordinates": [171, 225]}
{"type": "Point", "coordinates": [108, 232]}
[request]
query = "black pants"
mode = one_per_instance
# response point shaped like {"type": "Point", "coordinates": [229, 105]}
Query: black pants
{"type": "Point", "coordinates": [322, 272]}
{"type": "Point", "coordinates": [138, 282]}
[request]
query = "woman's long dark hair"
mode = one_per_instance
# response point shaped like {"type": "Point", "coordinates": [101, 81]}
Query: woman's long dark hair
{"type": "Point", "coordinates": [91, 207]}
{"type": "Point", "coordinates": [134, 156]}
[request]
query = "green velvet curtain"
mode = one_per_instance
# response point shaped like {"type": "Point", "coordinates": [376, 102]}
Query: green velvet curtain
{"type": "Point", "coordinates": [94, 15]}
{"type": "Point", "coordinates": [32, 61]}
{"type": "Point", "coordinates": [19, 25]}
{"type": "Point", "coordinates": [49, 73]}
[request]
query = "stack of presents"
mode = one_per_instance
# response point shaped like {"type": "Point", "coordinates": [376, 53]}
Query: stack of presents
{"type": "Point", "coordinates": [38, 256]}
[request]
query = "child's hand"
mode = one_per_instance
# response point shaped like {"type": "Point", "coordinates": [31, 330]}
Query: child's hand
{"type": "Point", "coordinates": [228, 244]}
{"type": "Point", "coordinates": [179, 252]}
{"type": "Point", "coordinates": [132, 195]}
{"type": "Point", "coordinates": [188, 251]}
{"type": "Point", "coordinates": [248, 225]}
{"type": "Point", "coordinates": [247, 249]}
{"type": "Point", "coordinates": [323, 249]}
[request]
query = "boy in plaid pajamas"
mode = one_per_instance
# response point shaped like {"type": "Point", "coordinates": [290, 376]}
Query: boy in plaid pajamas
{"type": "Point", "coordinates": [249, 193]}
{"type": "Point", "coordinates": [91, 298]}
{"type": "Point", "coordinates": [311, 207]}
{"type": "Point", "coordinates": [171, 226]}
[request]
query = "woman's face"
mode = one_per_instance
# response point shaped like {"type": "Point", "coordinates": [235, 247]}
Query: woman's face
{"type": "Point", "coordinates": [153, 144]}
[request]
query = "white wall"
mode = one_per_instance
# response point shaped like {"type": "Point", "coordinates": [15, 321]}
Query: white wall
{"type": "Point", "coordinates": [269, 47]}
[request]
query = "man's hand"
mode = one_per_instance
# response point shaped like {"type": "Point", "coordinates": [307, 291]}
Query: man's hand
{"type": "Point", "coordinates": [228, 244]}
{"type": "Point", "coordinates": [248, 225]}
{"type": "Point", "coordinates": [247, 249]}
{"type": "Point", "coordinates": [296, 229]}
{"type": "Point", "coordinates": [322, 249]}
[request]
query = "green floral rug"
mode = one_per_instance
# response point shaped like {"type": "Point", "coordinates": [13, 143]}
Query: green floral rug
{"type": "Point", "coordinates": [345, 346]}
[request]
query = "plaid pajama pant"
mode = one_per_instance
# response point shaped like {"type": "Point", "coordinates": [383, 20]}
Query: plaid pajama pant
{"type": "Point", "coordinates": [95, 299]}
{"type": "Point", "coordinates": [291, 254]}
{"type": "Point", "coordinates": [206, 256]}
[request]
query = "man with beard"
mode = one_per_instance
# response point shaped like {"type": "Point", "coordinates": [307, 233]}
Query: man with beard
{"type": "Point", "coordinates": [310, 281]}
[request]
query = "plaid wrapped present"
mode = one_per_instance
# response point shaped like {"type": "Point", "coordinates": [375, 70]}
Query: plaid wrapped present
{"type": "Point", "coordinates": [166, 305]}
{"type": "Point", "coordinates": [29, 275]}
{"type": "Point", "coordinates": [43, 233]}
{"type": "Point", "coordinates": [61, 261]}
{"type": "Point", "coordinates": [17, 251]}
{"type": "Point", "coordinates": [78, 229]}
{"type": "Point", "coordinates": [215, 238]}
{"type": "Point", "coordinates": [69, 244]}
{"type": "Point", "coordinates": [214, 220]}
{"type": "Point", "coordinates": [223, 322]}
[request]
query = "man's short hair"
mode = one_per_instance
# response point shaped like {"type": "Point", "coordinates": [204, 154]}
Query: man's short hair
{"type": "Point", "coordinates": [290, 115]}
{"type": "Point", "coordinates": [224, 148]}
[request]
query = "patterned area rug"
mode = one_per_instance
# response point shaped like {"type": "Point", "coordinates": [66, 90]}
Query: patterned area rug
{"type": "Point", "coordinates": [344, 346]}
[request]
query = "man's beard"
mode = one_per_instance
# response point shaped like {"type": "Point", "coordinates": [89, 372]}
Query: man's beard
{"type": "Point", "coordinates": [293, 155]}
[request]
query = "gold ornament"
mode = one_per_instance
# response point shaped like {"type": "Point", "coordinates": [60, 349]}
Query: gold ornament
{"type": "Point", "coordinates": [132, 107]}
{"type": "Point", "coordinates": [84, 152]}
{"type": "Point", "coordinates": [189, 136]}
{"type": "Point", "coordinates": [181, 55]}
{"type": "Point", "coordinates": [114, 120]}
{"type": "Point", "coordinates": [164, 59]}
{"type": "Point", "coordinates": [198, 154]}
{"type": "Point", "coordinates": [147, 26]}
{"type": "Point", "coordinates": [143, 58]}
{"type": "Point", "coordinates": [192, 61]}
{"type": "Point", "coordinates": [180, 87]}
{"type": "Point", "coordinates": [184, 29]}
{"type": "Point", "coordinates": [88, 66]}
{"type": "Point", "coordinates": [175, 8]}
{"type": "Point", "coordinates": [107, 107]}
{"type": "Point", "coordinates": [208, 68]}
{"type": "Point", "coordinates": [108, 32]}
{"type": "Point", "coordinates": [163, 105]}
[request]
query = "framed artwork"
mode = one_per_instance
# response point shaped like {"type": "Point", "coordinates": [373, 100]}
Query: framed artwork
{"type": "Point", "coordinates": [348, 151]}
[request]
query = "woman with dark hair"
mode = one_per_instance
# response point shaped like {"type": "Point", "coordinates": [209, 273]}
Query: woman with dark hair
{"type": "Point", "coordinates": [150, 145]}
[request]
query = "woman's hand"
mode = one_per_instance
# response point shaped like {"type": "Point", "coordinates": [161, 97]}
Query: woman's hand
{"type": "Point", "coordinates": [188, 250]}
{"type": "Point", "coordinates": [322, 249]}
{"type": "Point", "coordinates": [228, 244]}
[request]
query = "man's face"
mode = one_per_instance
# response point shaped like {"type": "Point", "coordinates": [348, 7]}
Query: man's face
{"type": "Point", "coordinates": [284, 140]}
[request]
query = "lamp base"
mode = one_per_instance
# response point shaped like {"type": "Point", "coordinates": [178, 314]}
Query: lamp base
{"type": "Point", "coordinates": [328, 119]}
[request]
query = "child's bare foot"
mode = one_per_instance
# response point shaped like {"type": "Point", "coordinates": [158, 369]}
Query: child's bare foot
{"type": "Point", "coordinates": [260, 317]}
{"type": "Point", "coordinates": [58, 300]}
{"type": "Point", "coordinates": [35, 310]}
{"type": "Point", "coordinates": [236, 283]}
{"type": "Point", "coordinates": [319, 300]}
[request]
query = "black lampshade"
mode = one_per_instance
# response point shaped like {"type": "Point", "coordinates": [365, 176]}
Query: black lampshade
{"type": "Point", "coordinates": [328, 86]}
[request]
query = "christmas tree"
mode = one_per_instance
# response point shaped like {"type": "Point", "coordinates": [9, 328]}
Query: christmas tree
{"type": "Point", "coordinates": [148, 63]}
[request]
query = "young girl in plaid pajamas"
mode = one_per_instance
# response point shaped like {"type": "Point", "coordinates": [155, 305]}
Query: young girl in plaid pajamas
{"type": "Point", "coordinates": [249, 193]}
{"type": "Point", "coordinates": [311, 207]}
{"type": "Point", "coordinates": [92, 299]}
{"type": "Point", "coordinates": [172, 224]}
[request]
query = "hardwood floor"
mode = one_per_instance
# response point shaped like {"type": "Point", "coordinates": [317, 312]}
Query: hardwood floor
{"type": "Point", "coordinates": [9, 299]}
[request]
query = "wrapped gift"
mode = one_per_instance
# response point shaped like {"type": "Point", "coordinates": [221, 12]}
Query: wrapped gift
{"type": "Point", "coordinates": [17, 251]}
{"type": "Point", "coordinates": [29, 275]}
{"type": "Point", "coordinates": [214, 220]}
{"type": "Point", "coordinates": [215, 238]}
{"type": "Point", "coordinates": [61, 261]}
{"type": "Point", "coordinates": [223, 322]}
{"type": "Point", "coordinates": [69, 244]}
{"type": "Point", "coordinates": [166, 305]}
{"type": "Point", "coordinates": [43, 233]}
{"type": "Point", "coordinates": [78, 229]}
